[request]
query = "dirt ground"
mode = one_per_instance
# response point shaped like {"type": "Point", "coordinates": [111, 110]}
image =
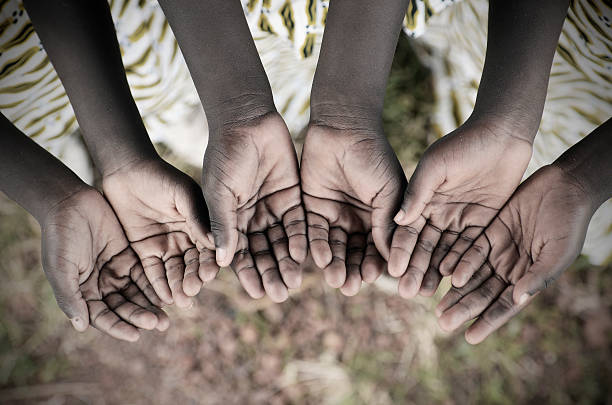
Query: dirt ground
{"type": "Point", "coordinates": [317, 348]}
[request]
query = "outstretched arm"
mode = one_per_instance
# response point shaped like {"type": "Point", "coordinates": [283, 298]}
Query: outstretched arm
{"type": "Point", "coordinates": [351, 178]}
{"type": "Point", "coordinates": [80, 39]}
{"type": "Point", "coordinates": [94, 274]}
{"type": "Point", "coordinates": [161, 209]}
{"type": "Point", "coordinates": [527, 246]}
{"type": "Point", "coordinates": [465, 177]}
{"type": "Point", "coordinates": [521, 43]}
{"type": "Point", "coordinates": [250, 174]}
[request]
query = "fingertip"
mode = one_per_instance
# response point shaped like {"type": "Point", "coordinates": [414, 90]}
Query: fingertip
{"type": "Point", "coordinates": [335, 275]}
{"type": "Point", "coordinates": [407, 287]}
{"type": "Point", "coordinates": [399, 217]}
{"type": "Point", "coordinates": [322, 255]}
{"type": "Point", "coordinates": [472, 338]}
{"type": "Point", "coordinates": [148, 321]}
{"type": "Point", "coordinates": [79, 323]}
{"type": "Point", "coordinates": [298, 249]}
{"type": "Point", "coordinates": [163, 321]}
{"type": "Point", "coordinates": [458, 280]}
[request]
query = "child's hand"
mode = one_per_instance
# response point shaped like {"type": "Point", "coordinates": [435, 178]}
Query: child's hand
{"type": "Point", "coordinates": [535, 237]}
{"type": "Point", "coordinates": [352, 184]}
{"type": "Point", "coordinates": [251, 184]}
{"type": "Point", "coordinates": [164, 216]}
{"type": "Point", "coordinates": [458, 187]}
{"type": "Point", "coordinates": [95, 275]}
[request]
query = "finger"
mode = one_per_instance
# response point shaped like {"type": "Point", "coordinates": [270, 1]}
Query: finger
{"type": "Point", "coordinates": [402, 245]}
{"type": "Point", "coordinates": [472, 304]}
{"type": "Point", "coordinates": [354, 252]}
{"type": "Point", "coordinates": [223, 224]}
{"type": "Point", "coordinates": [65, 284]}
{"type": "Point", "coordinates": [267, 268]}
{"type": "Point", "coordinates": [455, 294]}
{"type": "Point", "coordinates": [175, 272]}
{"type": "Point", "coordinates": [156, 273]}
{"type": "Point", "coordinates": [446, 242]}
{"type": "Point", "coordinates": [420, 190]}
{"type": "Point", "coordinates": [461, 245]}
{"type": "Point", "coordinates": [105, 320]}
{"type": "Point", "coordinates": [244, 267]}
{"type": "Point", "coordinates": [135, 295]}
{"type": "Point", "coordinates": [137, 275]}
{"type": "Point", "coordinates": [191, 278]}
{"type": "Point", "coordinates": [500, 312]}
{"type": "Point", "coordinates": [431, 281]}
{"type": "Point", "coordinates": [191, 205]}
{"type": "Point", "coordinates": [130, 312]}
{"type": "Point", "coordinates": [373, 264]}
{"type": "Point", "coordinates": [318, 239]}
{"type": "Point", "coordinates": [294, 222]}
{"type": "Point", "coordinates": [335, 272]}
{"type": "Point", "coordinates": [208, 267]}
{"type": "Point", "coordinates": [471, 261]}
{"type": "Point", "coordinates": [541, 274]}
{"type": "Point", "coordinates": [290, 270]}
{"type": "Point", "coordinates": [410, 282]}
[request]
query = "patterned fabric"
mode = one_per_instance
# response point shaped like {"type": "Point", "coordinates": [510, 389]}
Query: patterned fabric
{"type": "Point", "coordinates": [288, 36]}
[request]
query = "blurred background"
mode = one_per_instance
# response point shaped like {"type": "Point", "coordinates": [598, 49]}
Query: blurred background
{"type": "Point", "coordinates": [319, 346]}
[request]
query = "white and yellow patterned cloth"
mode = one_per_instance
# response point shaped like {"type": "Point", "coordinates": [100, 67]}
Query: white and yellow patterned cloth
{"type": "Point", "coordinates": [288, 34]}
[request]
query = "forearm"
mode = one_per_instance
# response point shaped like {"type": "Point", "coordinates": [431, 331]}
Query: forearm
{"type": "Point", "coordinates": [522, 38]}
{"type": "Point", "coordinates": [589, 162]}
{"type": "Point", "coordinates": [81, 42]}
{"type": "Point", "coordinates": [222, 59]}
{"type": "Point", "coordinates": [30, 175]}
{"type": "Point", "coordinates": [356, 55]}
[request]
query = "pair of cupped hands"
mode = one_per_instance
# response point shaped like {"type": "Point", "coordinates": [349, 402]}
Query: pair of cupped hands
{"type": "Point", "coordinates": [154, 238]}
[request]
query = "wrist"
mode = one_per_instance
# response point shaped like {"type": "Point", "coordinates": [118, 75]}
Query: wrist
{"type": "Point", "coordinates": [238, 110]}
{"type": "Point", "coordinates": [61, 197]}
{"type": "Point", "coordinates": [507, 127]}
{"type": "Point", "coordinates": [345, 116]}
{"type": "Point", "coordinates": [584, 180]}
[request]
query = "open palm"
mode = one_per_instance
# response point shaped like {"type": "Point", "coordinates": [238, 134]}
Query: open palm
{"type": "Point", "coordinates": [457, 188]}
{"type": "Point", "coordinates": [252, 188]}
{"type": "Point", "coordinates": [96, 277]}
{"type": "Point", "coordinates": [522, 251]}
{"type": "Point", "coordinates": [352, 184]}
{"type": "Point", "coordinates": [164, 216]}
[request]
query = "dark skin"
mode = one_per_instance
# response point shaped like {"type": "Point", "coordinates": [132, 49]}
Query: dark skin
{"type": "Point", "coordinates": [465, 178]}
{"type": "Point", "coordinates": [96, 277]}
{"type": "Point", "coordinates": [161, 209]}
{"type": "Point", "coordinates": [351, 179]}
{"type": "Point", "coordinates": [250, 176]}
{"type": "Point", "coordinates": [527, 247]}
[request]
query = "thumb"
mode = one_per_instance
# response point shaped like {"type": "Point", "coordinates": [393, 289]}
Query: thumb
{"type": "Point", "coordinates": [192, 207]}
{"type": "Point", "coordinates": [420, 190]}
{"type": "Point", "coordinates": [223, 224]}
{"type": "Point", "coordinates": [539, 276]}
{"type": "Point", "coordinates": [65, 285]}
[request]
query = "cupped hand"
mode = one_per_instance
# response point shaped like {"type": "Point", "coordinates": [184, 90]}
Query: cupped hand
{"type": "Point", "coordinates": [252, 188]}
{"type": "Point", "coordinates": [459, 185]}
{"type": "Point", "coordinates": [535, 237]}
{"type": "Point", "coordinates": [96, 277]}
{"type": "Point", "coordinates": [352, 184]}
{"type": "Point", "coordinates": [163, 213]}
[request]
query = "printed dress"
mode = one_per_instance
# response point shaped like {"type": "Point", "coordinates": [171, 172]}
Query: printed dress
{"type": "Point", "coordinates": [288, 35]}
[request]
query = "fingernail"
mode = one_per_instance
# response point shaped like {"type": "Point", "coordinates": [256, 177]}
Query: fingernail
{"type": "Point", "coordinates": [221, 253]}
{"type": "Point", "coordinates": [77, 323]}
{"type": "Point", "coordinates": [523, 299]}
{"type": "Point", "coordinates": [400, 215]}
